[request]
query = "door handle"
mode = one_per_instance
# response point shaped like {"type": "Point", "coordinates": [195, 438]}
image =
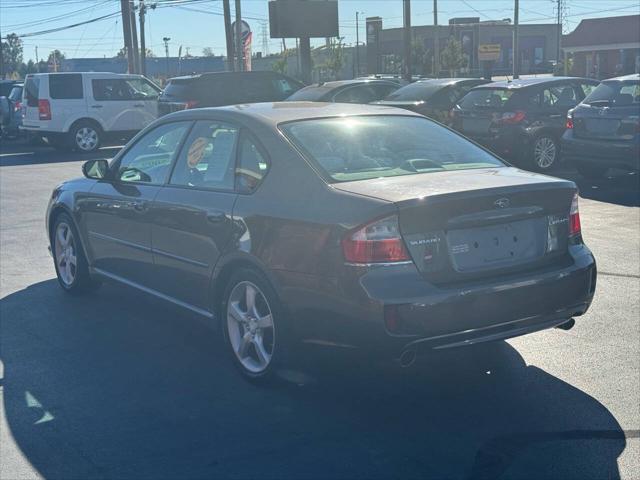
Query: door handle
{"type": "Point", "coordinates": [216, 217]}
{"type": "Point", "coordinates": [96, 106]}
{"type": "Point", "coordinates": [139, 105]}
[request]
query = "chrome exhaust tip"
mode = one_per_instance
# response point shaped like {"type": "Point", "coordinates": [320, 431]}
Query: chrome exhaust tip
{"type": "Point", "coordinates": [407, 358]}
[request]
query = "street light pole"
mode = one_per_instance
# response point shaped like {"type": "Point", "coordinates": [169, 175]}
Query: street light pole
{"type": "Point", "coordinates": [406, 4]}
{"type": "Point", "coordinates": [357, 46]}
{"type": "Point", "coordinates": [143, 45]}
{"type": "Point", "coordinates": [166, 53]}
{"type": "Point", "coordinates": [516, 55]}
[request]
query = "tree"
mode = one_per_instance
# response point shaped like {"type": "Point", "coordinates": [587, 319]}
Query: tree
{"type": "Point", "coordinates": [27, 68]}
{"type": "Point", "coordinates": [421, 57]}
{"type": "Point", "coordinates": [208, 52]}
{"type": "Point", "coordinates": [336, 58]}
{"type": "Point", "coordinates": [452, 57]}
{"type": "Point", "coordinates": [11, 53]}
{"type": "Point", "coordinates": [122, 53]}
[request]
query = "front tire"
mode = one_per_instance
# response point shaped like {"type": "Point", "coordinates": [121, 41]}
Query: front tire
{"type": "Point", "coordinates": [84, 137]}
{"type": "Point", "coordinates": [70, 263]}
{"type": "Point", "coordinates": [253, 326]}
{"type": "Point", "coordinates": [545, 153]}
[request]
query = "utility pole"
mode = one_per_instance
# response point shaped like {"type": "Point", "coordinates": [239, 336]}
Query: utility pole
{"type": "Point", "coordinates": [406, 37]}
{"type": "Point", "coordinates": [143, 45]}
{"type": "Point", "coordinates": [2, 74]}
{"type": "Point", "coordinates": [238, 33]}
{"type": "Point", "coordinates": [166, 53]}
{"type": "Point", "coordinates": [559, 30]}
{"type": "Point", "coordinates": [357, 45]}
{"type": "Point", "coordinates": [516, 53]}
{"type": "Point", "coordinates": [436, 41]}
{"type": "Point", "coordinates": [37, 59]}
{"type": "Point", "coordinates": [134, 37]}
{"type": "Point", "coordinates": [228, 34]}
{"type": "Point", "coordinates": [126, 33]}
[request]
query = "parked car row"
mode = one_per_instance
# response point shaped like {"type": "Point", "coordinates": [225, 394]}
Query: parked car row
{"type": "Point", "coordinates": [532, 123]}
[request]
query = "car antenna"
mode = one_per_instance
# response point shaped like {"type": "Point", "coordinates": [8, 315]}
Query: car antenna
{"type": "Point", "coordinates": [508, 79]}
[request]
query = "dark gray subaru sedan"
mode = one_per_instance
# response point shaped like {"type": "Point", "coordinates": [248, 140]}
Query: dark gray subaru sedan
{"type": "Point", "coordinates": [346, 226]}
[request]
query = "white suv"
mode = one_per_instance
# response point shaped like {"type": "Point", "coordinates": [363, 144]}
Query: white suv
{"type": "Point", "coordinates": [79, 111]}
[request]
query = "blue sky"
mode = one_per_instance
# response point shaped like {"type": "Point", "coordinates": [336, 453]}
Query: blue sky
{"type": "Point", "coordinates": [198, 24]}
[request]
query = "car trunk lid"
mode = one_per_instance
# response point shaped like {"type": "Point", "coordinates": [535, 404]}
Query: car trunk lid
{"type": "Point", "coordinates": [472, 223]}
{"type": "Point", "coordinates": [606, 123]}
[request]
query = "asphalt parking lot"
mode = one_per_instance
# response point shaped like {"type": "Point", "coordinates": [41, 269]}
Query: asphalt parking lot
{"type": "Point", "coordinates": [118, 385]}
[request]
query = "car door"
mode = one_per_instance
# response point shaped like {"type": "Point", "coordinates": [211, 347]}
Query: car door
{"type": "Point", "coordinates": [144, 96]}
{"type": "Point", "coordinates": [556, 101]}
{"type": "Point", "coordinates": [192, 222]}
{"type": "Point", "coordinates": [116, 213]}
{"type": "Point", "coordinates": [111, 103]}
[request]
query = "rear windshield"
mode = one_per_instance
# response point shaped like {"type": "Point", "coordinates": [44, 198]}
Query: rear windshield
{"type": "Point", "coordinates": [486, 98]}
{"type": "Point", "coordinates": [373, 146]}
{"type": "Point", "coordinates": [415, 91]}
{"type": "Point", "coordinates": [310, 94]}
{"type": "Point", "coordinates": [179, 90]}
{"type": "Point", "coordinates": [31, 87]}
{"type": "Point", "coordinates": [16, 94]}
{"type": "Point", "coordinates": [616, 93]}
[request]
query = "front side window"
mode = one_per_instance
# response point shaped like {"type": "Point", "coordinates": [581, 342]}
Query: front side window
{"type": "Point", "coordinates": [149, 159]}
{"type": "Point", "coordinates": [110, 90]}
{"type": "Point", "coordinates": [65, 86]}
{"type": "Point", "coordinates": [207, 158]}
{"type": "Point", "coordinates": [142, 89]}
{"type": "Point", "coordinates": [561, 96]}
{"type": "Point", "coordinates": [284, 87]}
{"type": "Point", "coordinates": [368, 146]}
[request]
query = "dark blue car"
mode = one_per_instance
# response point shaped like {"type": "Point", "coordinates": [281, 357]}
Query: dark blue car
{"type": "Point", "coordinates": [604, 130]}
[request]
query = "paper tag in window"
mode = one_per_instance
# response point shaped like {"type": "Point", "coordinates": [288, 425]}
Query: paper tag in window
{"type": "Point", "coordinates": [196, 151]}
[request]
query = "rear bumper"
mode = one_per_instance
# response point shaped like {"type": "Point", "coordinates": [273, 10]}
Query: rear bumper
{"type": "Point", "coordinates": [607, 153]}
{"type": "Point", "coordinates": [352, 313]}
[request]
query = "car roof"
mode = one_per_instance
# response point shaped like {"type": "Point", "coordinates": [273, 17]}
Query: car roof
{"type": "Point", "coordinates": [531, 82]}
{"type": "Point", "coordinates": [204, 75]}
{"type": "Point", "coordinates": [449, 81]}
{"type": "Point", "coordinates": [89, 74]}
{"type": "Point", "coordinates": [633, 76]}
{"type": "Point", "coordinates": [274, 113]}
{"type": "Point", "coordinates": [355, 81]}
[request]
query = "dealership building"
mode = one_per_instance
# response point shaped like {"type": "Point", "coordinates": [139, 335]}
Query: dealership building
{"type": "Point", "coordinates": [538, 43]}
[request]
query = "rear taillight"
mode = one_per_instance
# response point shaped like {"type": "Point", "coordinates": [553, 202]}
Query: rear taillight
{"type": "Point", "coordinates": [569, 124]}
{"type": "Point", "coordinates": [44, 110]}
{"type": "Point", "coordinates": [376, 242]}
{"type": "Point", "coordinates": [190, 104]}
{"type": "Point", "coordinates": [574, 217]}
{"type": "Point", "coordinates": [17, 106]}
{"type": "Point", "coordinates": [513, 117]}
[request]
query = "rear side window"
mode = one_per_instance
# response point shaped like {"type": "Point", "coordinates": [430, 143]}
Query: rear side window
{"type": "Point", "coordinates": [16, 94]}
{"type": "Point", "coordinates": [486, 98]}
{"type": "Point", "coordinates": [359, 94]}
{"type": "Point", "coordinates": [252, 166]}
{"type": "Point", "coordinates": [65, 86]}
{"type": "Point", "coordinates": [31, 88]}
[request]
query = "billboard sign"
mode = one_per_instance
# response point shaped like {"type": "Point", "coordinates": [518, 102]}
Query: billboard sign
{"type": "Point", "coordinates": [489, 52]}
{"type": "Point", "coordinates": [303, 18]}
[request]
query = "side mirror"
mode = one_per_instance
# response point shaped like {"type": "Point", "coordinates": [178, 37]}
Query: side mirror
{"type": "Point", "coordinates": [95, 169]}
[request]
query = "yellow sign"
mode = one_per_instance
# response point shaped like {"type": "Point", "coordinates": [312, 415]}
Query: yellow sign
{"type": "Point", "coordinates": [489, 52]}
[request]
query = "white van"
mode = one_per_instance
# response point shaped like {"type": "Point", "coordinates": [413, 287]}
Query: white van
{"type": "Point", "coordinates": [79, 111]}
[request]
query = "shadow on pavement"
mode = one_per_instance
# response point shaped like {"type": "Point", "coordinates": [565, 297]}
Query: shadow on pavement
{"type": "Point", "coordinates": [118, 385]}
{"type": "Point", "coordinates": [620, 188]}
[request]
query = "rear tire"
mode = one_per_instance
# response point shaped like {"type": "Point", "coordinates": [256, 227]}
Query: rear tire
{"type": "Point", "coordinates": [545, 152]}
{"type": "Point", "coordinates": [253, 326]}
{"type": "Point", "coordinates": [590, 171]}
{"type": "Point", "coordinates": [71, 265]}
{"type": "Point", "coordinates": [84, 136]}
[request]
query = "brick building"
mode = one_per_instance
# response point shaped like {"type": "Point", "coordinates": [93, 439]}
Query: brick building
{"type": "Point", "coordinates": [604, 47]}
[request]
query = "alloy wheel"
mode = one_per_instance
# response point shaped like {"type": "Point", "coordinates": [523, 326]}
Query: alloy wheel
{"type": "Point", "coordinates": [66, 257]}
{"type": "Point", "coordinates": [250, 327]}
{"type": "Point", "coordinates": [544, 152]}
{"type": "Point", "coordinates": [86, 139]}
